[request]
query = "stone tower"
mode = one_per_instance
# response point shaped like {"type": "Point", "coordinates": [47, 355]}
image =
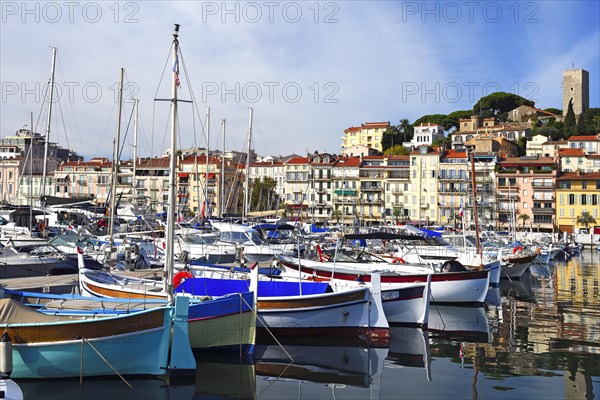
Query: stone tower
{"type": "Point", "coordinates": [576, 87]}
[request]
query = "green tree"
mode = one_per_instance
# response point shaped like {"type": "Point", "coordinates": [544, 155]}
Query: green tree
{"type": "Point", "coordinates": [263, 195]}
{"type": "Point", "coordinates": [391, 137]}
{"type": "Point", "coordinates": [589, 122]}
{"type": "Point", "coordinates": [445, 143]}
{"type": "Point", "coordinates": [524, 218]}
{"type": "Point", "coordinates": [397, 150]}
{"type": "Point", "coordinates": [570, 122]}
{"type": "Point", "coordinates": [337, 214]}
{"type": "Point", "coordinates": [499, 104]}
{"type": "Point", "coordinates": [554, 111]}
{"type": "Point", "coordinates": [407, 130]}
{"type": "Point", "coordinates": [522, 146]}
{"type": "Point", "coordinates": [585, 219]}
{"type": "Point", "coordinates": [550, 132]}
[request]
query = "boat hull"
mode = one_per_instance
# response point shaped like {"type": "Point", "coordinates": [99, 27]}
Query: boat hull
{"type": "Point", "coordinates": [226, 322]}
{"type": "Point", "coordinates": [132, 344]}
{"type": "Point", "coordinates": [446, 287]}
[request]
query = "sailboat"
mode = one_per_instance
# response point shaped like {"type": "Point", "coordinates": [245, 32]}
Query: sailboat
{"type": "Point", "coordinates": [221, 322]}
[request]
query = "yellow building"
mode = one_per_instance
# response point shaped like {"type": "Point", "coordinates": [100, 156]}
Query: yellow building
{"type": "Point", "coordinates": [201, 191]}
{"type": "Point", "coordinates": [577, 192]}
{"type": "Point", "coordinates": [368, 134]}
{"type": "Point", "coordinates": [423, 200]}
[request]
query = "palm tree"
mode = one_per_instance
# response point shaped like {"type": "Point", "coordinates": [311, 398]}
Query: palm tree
{"type": "Point", "coordinates": [337, 213]}
{"type": "Point", "coordinates": [524, 218]}
{"type": "Point", "coordinates": [404, 127]}
{"type": "Point", "coordinates": [585, 219]}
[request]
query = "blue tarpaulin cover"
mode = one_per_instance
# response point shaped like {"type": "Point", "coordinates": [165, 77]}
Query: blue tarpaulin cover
{"type": "Point", "coordinates": [221, 287]}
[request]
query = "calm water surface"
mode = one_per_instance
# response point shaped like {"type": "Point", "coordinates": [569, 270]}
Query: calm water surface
{"type": "Point", "coordinates": [533, 339]}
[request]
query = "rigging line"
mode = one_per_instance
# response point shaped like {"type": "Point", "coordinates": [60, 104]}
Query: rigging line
{"type": "Point", "coordinates": [163, 72]}
{"type": "Point", "coordinates": [120, 152]}
{"type": "Point", "coordinates": [104, 131]}
{"type": "Point", "coordinates": [192, 96]}
{"type": "Point", "coordinates": [59, 103]}
{"type": "Point", "coordinates": [167, 130]}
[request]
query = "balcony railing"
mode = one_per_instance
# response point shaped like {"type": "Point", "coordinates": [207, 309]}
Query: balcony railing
{"type": "Point", "coordinates": [543, 186]}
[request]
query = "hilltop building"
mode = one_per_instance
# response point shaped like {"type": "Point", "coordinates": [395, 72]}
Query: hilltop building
{"type": "Point", "coordinates": [576, 88]}
{"type": "Point", "coordinates": [425, 134]}
{"type": "Point", "coordinates": [368, 134]}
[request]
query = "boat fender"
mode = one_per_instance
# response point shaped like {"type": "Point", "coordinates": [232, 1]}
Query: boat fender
{"type": "Point", "coordinates": [181, 276]}
{"type": "Point", "coordinates": [398, 260]}
{"type": "Point", "coordinates": [517, 249]}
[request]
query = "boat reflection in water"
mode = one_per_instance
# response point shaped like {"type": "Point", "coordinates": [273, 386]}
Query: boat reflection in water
{"type": "Point", "coordinates": [462, 323]}
{"type": "Point", "coordinates": [222, 380]}
{"type": "Point", "coordinates": [296, 365]}
{"type": "Point", "coordinates": [409, 348]}
{"type": "Point", "coordinates": [105, 388]}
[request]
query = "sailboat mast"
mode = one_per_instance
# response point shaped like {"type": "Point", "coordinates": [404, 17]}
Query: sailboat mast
{"type": "Point", "coordinates": [247, 183]}
{"type": "Point", "coordinates": [135, 132]}
{"type": "Point", "coordinates": [115, 170]}
{"type": "Point", "coordinates": [206, 171]}
{"type": "Point", "coordinates": [172, 182]}
{"type": "Point", "coordinates": [475, 216]}
{"type": "Point", "coordinates": [222, 202]}
{"type": "Point", "coordinates": [49, 120]}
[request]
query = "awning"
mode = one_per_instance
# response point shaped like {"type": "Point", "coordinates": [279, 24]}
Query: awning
{"type": "Point", "coordinates": [211, 175]}
{"type": "Point", "coordinates": [183, 174]}
{"type": "Point", "coordinates": [61, 175]}
{"type": "Point", "coordinates": [266, 213]}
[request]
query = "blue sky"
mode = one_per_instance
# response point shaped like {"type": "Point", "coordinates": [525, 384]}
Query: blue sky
{"type": "Point", "coordinates": [308, 69]}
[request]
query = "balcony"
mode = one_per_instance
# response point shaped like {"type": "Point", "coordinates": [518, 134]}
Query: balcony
{"type": "Point", "coordinates": [371, 188]}
{"type": "Point", "coordinates": [424, 206]}
{"type": "Point", "coordinates": [321, 190]}
{"type": "Point", "coordinates": [513, 196]}
{"type": "Point", "coordinates": [542, 186]}
{"type": "Point", "coordinates": [543, 210]}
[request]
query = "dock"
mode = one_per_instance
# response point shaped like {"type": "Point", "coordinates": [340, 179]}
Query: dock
{"type": "Point", "coordinates": [62, 284]}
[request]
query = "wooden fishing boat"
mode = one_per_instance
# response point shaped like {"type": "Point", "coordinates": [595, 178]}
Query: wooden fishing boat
{"type": "Point", "coordinates": [46, 346]}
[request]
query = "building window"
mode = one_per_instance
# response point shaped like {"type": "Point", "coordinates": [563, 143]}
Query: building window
{"type": "Point", "coordinates": [583, 184]}
{"type": "Point", "coordinates": [562, 199]}
{"type": "Point", "coordinates": [571, 199]}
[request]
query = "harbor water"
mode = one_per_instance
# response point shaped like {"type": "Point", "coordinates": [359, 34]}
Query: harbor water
{"type": "Point", "coordinates": [536, 338]}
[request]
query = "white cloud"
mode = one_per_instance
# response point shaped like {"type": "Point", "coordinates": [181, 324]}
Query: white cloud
{"type": "Point", "coordinates": [359, 68]}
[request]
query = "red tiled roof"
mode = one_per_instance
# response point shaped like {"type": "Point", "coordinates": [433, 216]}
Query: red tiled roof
{"type": "Point", "coordinates": [455, 154]}
{"type": "Point", "coordinates": [349, 162]}
{"type": "Point", "coordinates": [571, 152]}
{"type": "Point", "coordinates": [519, 161]}
{"type": "Point", "coordinates": [591, 138]}
{"type": "Point", "coordinates": [162, 162]}
{"type": "Point", "coordinates": [580, 175]}
{"type": "Point", "coordinates": [375, 124]}
{"type": "Point", "coordinates": [298, 160]}
{"type": "Point", "coordinates": [200, 159]}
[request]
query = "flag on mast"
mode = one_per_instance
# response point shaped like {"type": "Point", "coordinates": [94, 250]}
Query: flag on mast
{"type": "Point", "coordinates": [176, 70]}
{"type": "Point", "coordinates": [460, 211]}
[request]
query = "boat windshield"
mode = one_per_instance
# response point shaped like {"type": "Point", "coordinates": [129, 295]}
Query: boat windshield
{"type": "Point", "coordinates": [197, 239]}
{"type": "Point", "coordinates": [241, 237]}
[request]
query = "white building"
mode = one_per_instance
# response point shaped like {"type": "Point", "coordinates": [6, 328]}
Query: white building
{"type": "Point", "coordinates": [425, 134]}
